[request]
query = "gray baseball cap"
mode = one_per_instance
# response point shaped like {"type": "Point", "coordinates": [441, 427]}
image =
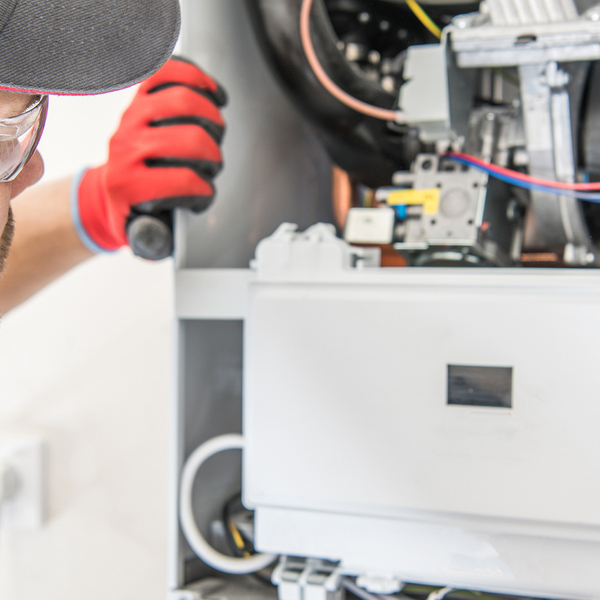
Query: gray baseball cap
{"type": "Point", "coordinates": [84, 46]}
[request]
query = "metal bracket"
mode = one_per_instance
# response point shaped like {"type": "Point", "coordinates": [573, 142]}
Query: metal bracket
{"type": "Point", "coordinates": [547, 118]}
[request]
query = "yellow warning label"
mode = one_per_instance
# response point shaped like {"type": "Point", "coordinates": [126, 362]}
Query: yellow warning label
{"type": "Point", "coordinates": [430, 199]}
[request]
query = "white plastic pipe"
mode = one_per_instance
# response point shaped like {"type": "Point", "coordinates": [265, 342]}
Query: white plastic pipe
{"type": "Point", "coordinates": [199, 545]}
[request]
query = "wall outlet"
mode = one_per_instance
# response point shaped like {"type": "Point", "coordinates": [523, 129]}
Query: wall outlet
{"type": "Point", "coordinates": [25, 510]}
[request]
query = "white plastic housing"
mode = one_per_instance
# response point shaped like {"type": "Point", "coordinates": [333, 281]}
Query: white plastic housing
{"type": "Point", "coordinates": [370, 225]}
{"type": "Point", "coordinates": [353, 453]}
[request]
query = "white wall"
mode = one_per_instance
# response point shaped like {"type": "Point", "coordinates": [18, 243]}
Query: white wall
{"type": "Point", "coordinates": [86, 365]}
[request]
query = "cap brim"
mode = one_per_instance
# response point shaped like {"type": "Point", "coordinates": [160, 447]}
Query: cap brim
{"type": "Point", "coordinates": [87, 46]}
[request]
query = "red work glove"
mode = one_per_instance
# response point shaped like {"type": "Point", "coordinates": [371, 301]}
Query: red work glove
{"type": "Point", "coordinates": [164, 155]}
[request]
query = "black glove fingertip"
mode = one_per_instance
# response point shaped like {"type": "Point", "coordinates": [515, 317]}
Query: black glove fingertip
{"type": "Point", "coordinates": [220, 95]}
{"type": "Point", "coordinates": [199, 204]}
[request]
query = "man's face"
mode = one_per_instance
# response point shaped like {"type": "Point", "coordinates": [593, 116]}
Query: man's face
{"type": "Point", "coordinates": [11, 105]}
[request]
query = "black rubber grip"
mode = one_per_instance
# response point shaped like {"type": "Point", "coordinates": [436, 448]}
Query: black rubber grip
{"type": "Point", "coordinates": [151, 236]}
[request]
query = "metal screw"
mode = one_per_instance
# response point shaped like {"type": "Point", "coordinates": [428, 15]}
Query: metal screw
{"type": "Point", "coordinates": [388, 83]}
{"type": "Point", "coordinates": [364, 17]}
{"type": "Point", "coordinates": [353, 52]}
{"type": "Point", "coordinates": [374, 57]}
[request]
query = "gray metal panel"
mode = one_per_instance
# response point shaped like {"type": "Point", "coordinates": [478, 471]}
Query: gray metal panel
{"type": "Point", "coordinates": [275, 168]}
{"type": "Point", "coordinates": [209, 403]}
{"type": "Point", "coordinates": [212, 394]}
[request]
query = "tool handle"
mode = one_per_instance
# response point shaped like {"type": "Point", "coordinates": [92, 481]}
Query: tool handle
{"type": "Point", "coordinates": [151, 236]}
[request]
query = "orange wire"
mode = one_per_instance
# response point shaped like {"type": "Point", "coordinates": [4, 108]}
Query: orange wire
{"type": "Point", "coordinates": [328, 84]}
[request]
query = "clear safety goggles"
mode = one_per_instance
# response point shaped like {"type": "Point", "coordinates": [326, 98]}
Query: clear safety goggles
{"type": "Point", "coordinates": [19, 137]}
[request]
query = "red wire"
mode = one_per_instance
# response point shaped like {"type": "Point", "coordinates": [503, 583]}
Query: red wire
{"type": "Point", "coordinates": [522, 177]}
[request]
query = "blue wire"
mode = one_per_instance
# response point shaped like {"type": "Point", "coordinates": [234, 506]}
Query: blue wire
{"type": "Point", "coordinates": [401, 211]}
{"type": "Point", "coordinates": [590, 197]}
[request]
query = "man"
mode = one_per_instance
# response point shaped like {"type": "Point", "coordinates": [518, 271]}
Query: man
{"type": "Point", "coordinates": [164, 154]}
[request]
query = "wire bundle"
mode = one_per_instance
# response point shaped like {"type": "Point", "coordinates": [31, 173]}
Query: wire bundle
{"type": "Point", "coordinates": [581, 191]}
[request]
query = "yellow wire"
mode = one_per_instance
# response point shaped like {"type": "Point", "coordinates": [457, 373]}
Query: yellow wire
{"type": "Point", "coordinates": [424, 18]}
{"type": "Point", "coordinates": [237, 538]}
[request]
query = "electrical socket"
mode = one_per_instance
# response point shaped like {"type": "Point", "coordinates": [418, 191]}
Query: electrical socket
{"type": "Point", "coordinates": [25, 510]}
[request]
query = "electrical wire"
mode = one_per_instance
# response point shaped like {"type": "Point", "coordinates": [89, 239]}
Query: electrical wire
{"type": "Point", "coordinates": [425, 19]}
{"type": "Point", "coordinates": [363, 594]}
{"type": "Point", "coordinates": [561, 188]}
{"type": "Point", "coordinates": [237, 541]}
{"type": "Point", "coordinates": [474, 161]}
{"type": "Point", "coordinates": [337, 92]}
{"type": "Point", "coordinates": [421, 592]}
{"type": "Point", "coordinates": [239, 544]}
{"type": "Point", "coordinates": [439, 594]}
{"type": "Point", "coordinates": [199, 545]}
{"type": "Point", "coordinates": [360, 593]}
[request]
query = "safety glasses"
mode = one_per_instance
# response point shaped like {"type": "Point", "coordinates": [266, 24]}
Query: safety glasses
{"type": "Point", "coordinates": [19, 137]}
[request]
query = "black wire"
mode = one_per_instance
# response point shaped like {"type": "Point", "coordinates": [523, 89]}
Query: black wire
{"type": "Point", "coordinates": [228, 535]}
{"type": "Point", "coordinates": [235, 502]}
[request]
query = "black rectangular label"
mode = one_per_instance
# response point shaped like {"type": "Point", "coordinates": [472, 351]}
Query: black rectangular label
{"type": "Point", "coordinates": [480, 386]}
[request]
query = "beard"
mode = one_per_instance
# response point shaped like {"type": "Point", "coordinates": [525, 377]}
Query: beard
{"type": "Point", "coordinates": [6, 240]}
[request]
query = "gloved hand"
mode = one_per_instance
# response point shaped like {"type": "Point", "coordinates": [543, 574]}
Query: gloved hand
{"type": "Point", "coordinates": [164, 155]}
